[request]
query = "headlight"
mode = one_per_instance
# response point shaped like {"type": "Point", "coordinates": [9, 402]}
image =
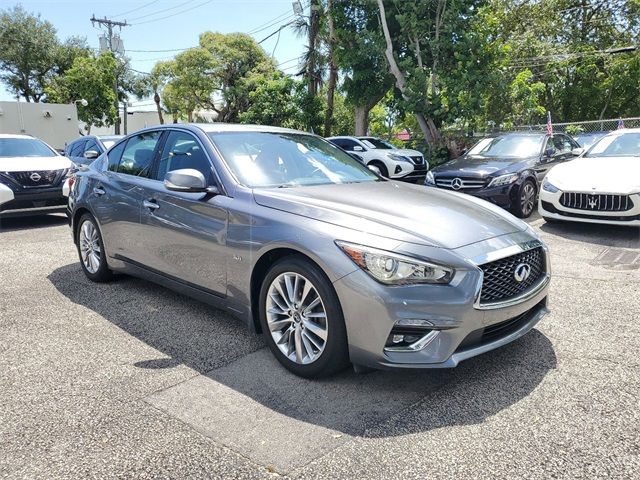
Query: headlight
{"type": "Point", "coordinates": [504, 180]}
{"type": "Point", "coordinates": [399, 158]}
{"type": "Point", "coordinates": [549, 187]}
{"type": "Point", "coordinates": [430, 180]}
{"type": "Point", "coordinates": [393, 269]}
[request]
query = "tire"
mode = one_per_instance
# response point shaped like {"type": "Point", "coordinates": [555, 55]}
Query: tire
{"type": "Point", "coordinates": [296, 339]}
{"type": "Point", "coordinates": [380, 166]}
{"type": "Point", "coordinates": [525, 201]}
{"type": "Point", "coordinates": [91, 250]}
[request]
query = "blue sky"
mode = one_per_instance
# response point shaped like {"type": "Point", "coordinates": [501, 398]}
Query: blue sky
{"type": "Point", "coordinates": [172, 24]}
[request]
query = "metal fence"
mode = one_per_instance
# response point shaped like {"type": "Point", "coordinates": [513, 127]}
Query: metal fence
{"type": "Point", "coordinates": [588, 126]}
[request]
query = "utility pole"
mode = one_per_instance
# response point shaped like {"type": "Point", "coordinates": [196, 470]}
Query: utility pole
{"type": "Point", "coordinates": [114, 45]}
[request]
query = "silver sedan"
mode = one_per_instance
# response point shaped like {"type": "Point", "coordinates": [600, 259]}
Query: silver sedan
{"type": "Point", "coordinates": [331, 262]}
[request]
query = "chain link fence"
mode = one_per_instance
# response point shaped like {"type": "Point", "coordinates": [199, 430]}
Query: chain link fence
{"type": "Point", "coordinates": [587, 126]}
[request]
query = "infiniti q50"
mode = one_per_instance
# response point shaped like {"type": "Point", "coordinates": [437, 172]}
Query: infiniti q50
{"type": "Point", "coordinates": [331, 262]}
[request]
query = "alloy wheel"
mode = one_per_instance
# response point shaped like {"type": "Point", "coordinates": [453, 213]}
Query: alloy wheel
{"type": "Point", "coordinates": [90, 249]}
{"type": "Point", "coordinates": [296, 318]}
{"type": "Point", "coordinates": [527, 198]}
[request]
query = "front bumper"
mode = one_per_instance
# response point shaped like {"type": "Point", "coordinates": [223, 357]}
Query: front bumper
{"type": "Point", "coordinates": [501, 196]}
{"type": "Point", "coordinates": [549, 206]}
{"type": "Point", "coordinates": [464, 329]}
{"type": "Point", "coordinates": [32, 202]}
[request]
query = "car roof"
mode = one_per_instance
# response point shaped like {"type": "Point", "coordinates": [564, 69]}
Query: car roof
{"type": "Point", "coordinates": [338, 137]}
{"type": "Point", "coordinates": [234, 127]}
{"type": "Point", "coordinates": [15, 135]}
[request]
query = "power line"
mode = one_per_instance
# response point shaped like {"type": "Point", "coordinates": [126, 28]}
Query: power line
{"type": "Point", "coordinates": [176, 13]}
{"type": "Point", "coordinates": [157, 12]}
{"type": "Point", "coordinates": [136, 9]}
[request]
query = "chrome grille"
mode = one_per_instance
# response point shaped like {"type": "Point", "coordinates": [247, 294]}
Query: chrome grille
{"type": "Point", "coordinates": [465, 183]}
{"type": "Point", "coordinates": [599, 202]}
{"type": "Point", "coordinates": [499, 282]}
{"type": "Point", "coordinates": [34, 179]}
{"type": "Point", "coordinates": [418, 160]}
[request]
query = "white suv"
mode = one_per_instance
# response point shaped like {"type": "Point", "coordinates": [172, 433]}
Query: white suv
{"type": "Point", "coordinates": [388, 160]}
{"type": "Point", "coordinates": [33, 177]}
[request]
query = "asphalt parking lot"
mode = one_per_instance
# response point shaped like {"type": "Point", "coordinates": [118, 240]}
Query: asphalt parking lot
{"type": "Point", "coordinates": [129, 379]}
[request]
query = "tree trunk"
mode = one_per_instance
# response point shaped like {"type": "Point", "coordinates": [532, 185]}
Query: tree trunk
{"type": "Point", "coordinates": [156, 99]}
{"type": "Point", "coordinates": [314, 26]}
{"type": "Point", "coordinates": [362, 119]}
{"type": "Point", "coordinates": [428, 127]}
{"type": "Point", "coordinates": [333, 72]}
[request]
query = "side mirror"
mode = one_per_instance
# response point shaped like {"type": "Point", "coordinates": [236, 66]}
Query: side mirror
{"type": "Point", "coordinates": [358, 148]}
{"type": "Point", "coordinates": [577, 151]}
{"type": "Point", "coordinates": [186, 180]}
{"type": "Point", "coordinates": [91, 154]}
{"type": "Point", "coordinates": [549, 152]}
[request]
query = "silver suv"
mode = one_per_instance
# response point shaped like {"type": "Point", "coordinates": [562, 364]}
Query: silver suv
{"type": "Point", "coordinates": [333, 263]}
{"type": "Point", "coordinates": [387, 159]}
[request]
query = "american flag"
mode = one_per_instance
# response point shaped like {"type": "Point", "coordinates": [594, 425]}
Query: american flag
{"type": "Point", "coordinates": [549, 125]}
{"type": "Point", "coordinates": [620, 124]}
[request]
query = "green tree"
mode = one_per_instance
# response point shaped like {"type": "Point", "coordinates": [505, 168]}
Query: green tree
{"type": "Point", "coordinates": [526, 95]}
{"type": "Point", "coordinates": [92, 79]}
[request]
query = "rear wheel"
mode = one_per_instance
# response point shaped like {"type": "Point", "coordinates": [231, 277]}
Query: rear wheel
{"type": "Point", "coordinates": [302, 320]}
{"type": "Point", "coordinates": [91, 250]}
{"type": "Point", "coordinates": [526, 200]}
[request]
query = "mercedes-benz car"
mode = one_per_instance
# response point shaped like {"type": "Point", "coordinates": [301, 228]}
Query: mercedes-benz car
{"type": "Point", "coordinates": [601, 186]}
{"type": "Point", "coordinates": [505, 169]}
{"type": "Point", "coordinates": [331, 262]}
{"type": "Point", "coordinates": [385, 158]}
{"type": "Point", "coordinates": [33, 177]}
{"type": "Point", "coordinates": [86, 149]}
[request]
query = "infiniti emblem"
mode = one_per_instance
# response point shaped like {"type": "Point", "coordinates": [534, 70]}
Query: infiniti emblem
{"type": "Point", "coordinates": [522, 272]}
{"type": "Point", "coordinates": [456, 183]}
{"type": "Point", "coordinates": [35, 176]}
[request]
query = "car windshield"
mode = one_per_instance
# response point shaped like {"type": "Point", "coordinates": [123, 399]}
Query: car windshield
{"type": "Point", "coordinates": [263, 159]}
{"type": "Point", "coordinates": [585, 140]}
{"type": "Point", "coordinates": [24, 147]}
{"type": "Point", "coordinates": [376, 143]}
{"type": "Point", "coordinates": [519, 146]}
{"type": "Point", "coordinates": [617, 145]}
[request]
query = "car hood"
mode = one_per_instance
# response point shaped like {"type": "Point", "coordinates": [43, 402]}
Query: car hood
{"type": "Point", "coordinates": [27, 164]}
{"type": "Point", "coordinates": [396, 210]}
{"type": "Point", "coordinates": [406, 151]}
{"type": "Point", "coordinates": [477, 166]}
{"type": "Point", "coordinates": [598, 174]}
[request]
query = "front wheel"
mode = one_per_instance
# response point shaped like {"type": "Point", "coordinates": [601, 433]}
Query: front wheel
{"type": "Point", "coordinates": [526, 200]}
{"type": "Point", "coordinates": [302, 320]}
{"type": "Point", "coordinates": [91, 250]}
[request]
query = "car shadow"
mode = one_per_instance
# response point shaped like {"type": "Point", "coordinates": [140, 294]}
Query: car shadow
{"type": "Point", "coordinates": [30, 222]}
{"type": "Point", "coordinates": [221, 348]}
{"type": "Point", "coordinates": [605, 235]}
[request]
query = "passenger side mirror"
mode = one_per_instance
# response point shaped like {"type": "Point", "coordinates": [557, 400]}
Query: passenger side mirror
{"type": "Point", "coordinates": [549, 152]}
{"type": "Point", "coordinates": [91, 154]}
{"type": "Point", "coordinates": [577, 151]}
{"type": "Point", "coordinates": [358, 148]}
{"type": "Point", "coordinates": [187, 180]}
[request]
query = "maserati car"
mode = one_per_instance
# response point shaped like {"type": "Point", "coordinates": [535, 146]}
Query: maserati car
{"type": "Point", "coordinates": [506, 169]}
{"type": "Point", "coordinates": [33, 177]}
{"type": "Point", "coordinates": [330, 261]}
{"type": "Point", "coordinates": [601, 186]}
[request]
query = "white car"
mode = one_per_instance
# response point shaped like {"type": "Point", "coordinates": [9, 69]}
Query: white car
{"type": "Point", "coordinates": [388, 160]}
{"type": "Point", "coordinates": [32, 177]}
{"type": "Point", "coordinates": [600, 186]}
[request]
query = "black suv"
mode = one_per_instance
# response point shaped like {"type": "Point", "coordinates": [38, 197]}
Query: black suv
{"type": "Point", "coordinates": [506, 169]}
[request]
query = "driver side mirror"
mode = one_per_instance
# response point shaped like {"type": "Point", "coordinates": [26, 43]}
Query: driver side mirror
{"type": "Point", "coordinates": [187, 180]}
{"type": "Point", "coordinates": [91, 154]}
{"type": "Point", "coordinates": [549, 152]}
{"type": "Point", "coordinates": [576, 152]}
{"type": "Point", "coordinates": [358, 148]}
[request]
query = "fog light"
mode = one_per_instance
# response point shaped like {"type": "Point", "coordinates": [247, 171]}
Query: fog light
{"type": "Point", "coordinates": [414, 322]}
{"type": "Point", "coordinates": [398, 169]}
{"type": "Point", "coordinates": [398, 339]}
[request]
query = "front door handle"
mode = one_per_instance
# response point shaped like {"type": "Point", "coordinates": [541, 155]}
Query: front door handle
{"type": "Point", "coordinates": [150, 204]}
{"type": "Point", "coordinates": [99, 191]}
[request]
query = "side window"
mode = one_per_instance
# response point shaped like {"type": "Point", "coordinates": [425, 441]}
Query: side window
{"type": "Point", "coordinates": [137, 156]}
{"type": "Point", "coordinates": [91, 145]}
{"type": "Point", "coordinates": [114, 156]}
{"type": "Point", "coordinates": [561, 144]}
{"type": "Point", "coordinates": [182, 150]}
{"type": "Point", "coordinates": [77, 149]}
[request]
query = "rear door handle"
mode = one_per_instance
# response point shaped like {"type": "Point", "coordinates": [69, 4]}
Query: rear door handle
{"type": "Point", "coordinates": [150, 204]}
{"type": "Point", "coordinates": [99, 191]}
